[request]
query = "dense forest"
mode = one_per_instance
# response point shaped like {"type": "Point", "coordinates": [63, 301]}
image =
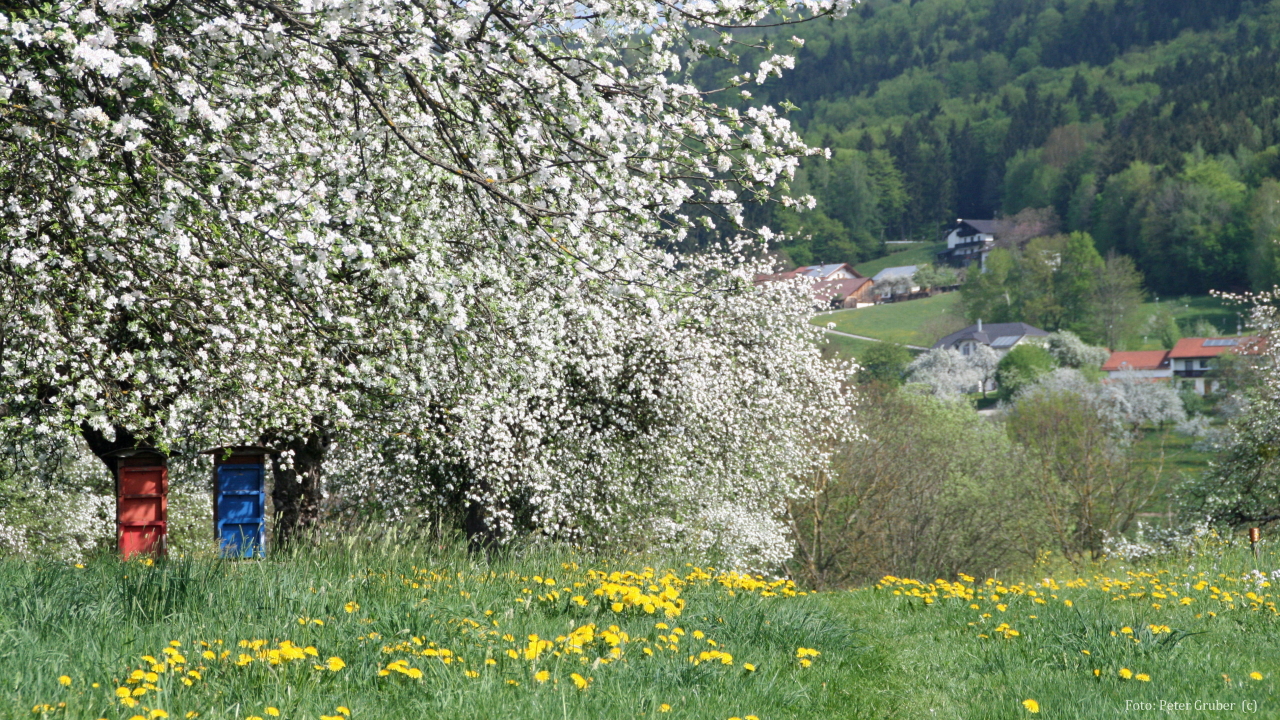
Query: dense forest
{"type": "Point", "coordinates": [1153, 125]}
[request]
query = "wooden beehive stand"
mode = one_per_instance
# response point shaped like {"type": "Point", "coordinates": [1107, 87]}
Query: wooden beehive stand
{"type": "Point", "coordinates": [239, 500]}
{"type": "Point", "coordinates": [142, 501]}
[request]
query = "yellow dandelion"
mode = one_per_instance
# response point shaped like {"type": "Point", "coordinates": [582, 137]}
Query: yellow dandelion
{"type": "Point", "coordinates": [1142, 677]}
{"type": "Point", "coordinates": [1031, 705]}
{"type": "Point", "coordinates": [1126, 673]}
{"type": "Point", "coordinates": [351, 606]}
{"type": "Point", "coordinates": [64, 680]}
{"type": "Point", "coordinates": [343, 710]}
{"type": "Point", "coordinates": [580, 681]}
{"type": "Point", "coordinates": [335, 663]}
{"type": "Point", "coordinates": [748, 667]}
{"type": "Point", "coordinates": [664, 708]}
{"type": "Point", "coordinates": [272, 711]}
{"type": "Point", "coordinates": [158, 713]}
{"type": "Point", "coordinates": [542, 676]}
{"type": "Point", "coordinates": [1255, 675]}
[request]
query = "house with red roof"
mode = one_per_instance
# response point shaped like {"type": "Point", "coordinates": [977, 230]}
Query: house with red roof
{"type": "Point", "coordinates": [1194, 358]}
{"type": "Point", "coordinates": [1153, 364]}
{"type": "Point", "coordinates": [838, 285]}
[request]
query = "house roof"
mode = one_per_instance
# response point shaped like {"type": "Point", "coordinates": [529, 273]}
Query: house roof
{"type": "Point", "coordinates": [997, 335]}
{"type": "Point", "coordinates": [813, 271]}
{"type": "Point", "coordinates": [893, 272]}
{"type": "Point", "coordinates": [1211, 347]}
{"type": "Point", "coordinates": [1137, 360]}
{"type": "Point", "coordinates": [844, 287]}
{"type": "Point", "coordinates": [986, 227]}
{"type": "Point", "coordinates": [822, 271]}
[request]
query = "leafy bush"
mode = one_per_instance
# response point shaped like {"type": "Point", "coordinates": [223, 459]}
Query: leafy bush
{"type": "Point", "coordinates": [883, 363]}
{"type": "Point", "coordinates": [1089, 480]}
{"type": "Point", "coordinates": [1020, 367]}
{"type": "Point", "coordinates": [931, 489]}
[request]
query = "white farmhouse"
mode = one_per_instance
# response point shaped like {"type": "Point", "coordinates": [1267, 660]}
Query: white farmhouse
{"type": "Point", "coordinates": [968, 243]}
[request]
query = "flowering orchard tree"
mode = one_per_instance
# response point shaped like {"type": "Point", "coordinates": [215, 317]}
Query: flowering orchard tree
{"type": "Point", "coordinates": [401, 224]}
{"type": "Point", "coordinates": [945, 371]}
{"type": "Point", "coordinates": [1242, 487]}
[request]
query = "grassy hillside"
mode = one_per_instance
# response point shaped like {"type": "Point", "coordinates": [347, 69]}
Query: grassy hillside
{"type": "Point", "coordinates": [426, 632]}
{"type": "Point", "coordinates": [1082, 643]}
{"type": "Point", "coordinates": [1189, 312]}
{"type": "Point", "coordinates": [917, 322]}
{"type": "Point", "coordinates": [398, 632]}
{"type": "Point", "coordinates": [914, 254]}
{"type": "Point", "coordinates": [845, 348]}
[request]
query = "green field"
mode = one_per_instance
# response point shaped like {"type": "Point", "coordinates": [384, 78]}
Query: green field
{"type": "Point", "coordinates": [423, 631]}
{"type": "Point", "coordinates": [915, 322]}
{"type": "Point", "coordinates": [1188, 311]}
{"type": "Point", "coordinates": [915, 254]}
{"type": "Point", "coordinates": [1081, 645]}
{"type": "Point", "coordinates": [844, 348]}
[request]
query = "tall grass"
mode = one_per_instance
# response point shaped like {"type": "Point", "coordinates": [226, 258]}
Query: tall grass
{"type": "Point", "coordinates": [94, 624]}
{"type": "Point", "coordinates": [952, 660]}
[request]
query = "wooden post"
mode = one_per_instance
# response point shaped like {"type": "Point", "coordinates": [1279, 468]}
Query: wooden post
{"type": "Point", "coordinates": [1255, 535]}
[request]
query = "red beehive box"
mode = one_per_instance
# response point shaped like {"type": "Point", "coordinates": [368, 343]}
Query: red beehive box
{"type": "Point", "coordinates": [142, 503]}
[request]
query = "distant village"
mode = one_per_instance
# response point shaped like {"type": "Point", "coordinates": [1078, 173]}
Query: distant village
{"type": "Point", "coordinates": [840, 286]}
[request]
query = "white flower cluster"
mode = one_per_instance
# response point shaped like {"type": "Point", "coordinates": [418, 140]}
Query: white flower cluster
{"type": "Point", "coordinates": [429, 229]}
{"type": "Point", "coordinates": [946, 371]}
{"type": "Point", "coordinates": [1123, 403]}
{"type": "Point", "coordinates": [52, 500]}
{"type": "Point", "coordinates": [1150, 541]}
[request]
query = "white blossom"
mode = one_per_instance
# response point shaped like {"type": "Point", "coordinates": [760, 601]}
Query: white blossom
{"type": "Point", "coordinates": [399, 223]}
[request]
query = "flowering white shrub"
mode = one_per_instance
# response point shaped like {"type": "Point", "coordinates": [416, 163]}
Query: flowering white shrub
{"type": "Point", "coordinates": [1150, 542]}
{"type": "Point", "coordinates": [1241, 488]}
{"type": "Point", "coordinates": [1122, 404]}
{"type": "Point", "coordinates": [945, 371]}
{"type": "Point", "coordinates": [1070, 351]}
{"type": "Point", "coordinates": [425, 232]}
{"type": "Point", "coordinates": [53, 501]}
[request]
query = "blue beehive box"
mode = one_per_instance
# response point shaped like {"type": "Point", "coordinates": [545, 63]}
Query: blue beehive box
{"type": "Point", "coordinates": [239, 500]}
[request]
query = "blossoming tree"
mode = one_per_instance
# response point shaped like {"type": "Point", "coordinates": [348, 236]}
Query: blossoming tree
{"type": "Point", "coordinates": [423, 225]}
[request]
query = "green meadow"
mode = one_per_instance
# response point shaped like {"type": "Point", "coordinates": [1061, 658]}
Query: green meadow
{"type": "Point", "coordinates": [387, 630]}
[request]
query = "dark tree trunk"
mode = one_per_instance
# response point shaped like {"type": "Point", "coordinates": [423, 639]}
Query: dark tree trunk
{"type": "Point", "coordinates": [102, 447]}
{"type": "Point", "coordinates": [480, 535]}
{"type": "Point", "coordinates": [297, 489]}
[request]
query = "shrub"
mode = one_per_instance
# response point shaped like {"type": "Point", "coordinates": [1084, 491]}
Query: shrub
{"type": "Point", "coordinates": [931, 489]}
{"type": "Point", "coordinates": [884, 363]}
{"type": "Point", "coordinates": [1022, 366]}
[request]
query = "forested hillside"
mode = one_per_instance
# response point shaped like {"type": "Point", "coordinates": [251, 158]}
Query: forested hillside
{"type": "Point", "coordinates": [1154, 125]}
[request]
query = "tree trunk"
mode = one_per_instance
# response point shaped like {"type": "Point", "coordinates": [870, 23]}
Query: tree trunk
{"type": "Point", "coordinates": [296, 490]}
{"type": "Point", "coordinates": [101, 446]}
{"type": "Point", "coordinates": [481, 535]}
